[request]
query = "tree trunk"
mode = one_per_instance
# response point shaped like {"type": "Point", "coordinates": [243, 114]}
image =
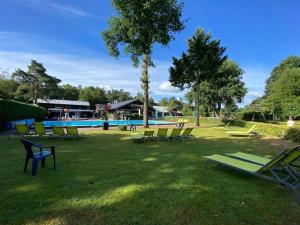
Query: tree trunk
{"type": "Point", "coordinates": [197, 100]}
{"type": "Point", "coordinates": [219, 110]}
{"type": "Point", "coordinates": [145, 83]}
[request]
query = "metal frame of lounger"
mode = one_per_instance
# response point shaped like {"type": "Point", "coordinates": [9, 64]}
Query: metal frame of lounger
{"type": "Point", "coordinates": [274, 170]}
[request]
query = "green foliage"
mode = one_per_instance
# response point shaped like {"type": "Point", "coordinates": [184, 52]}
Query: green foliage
{"type": "Point", "coordinates": [35, 83]}
{"type": "Point", "coordinates": [8, 88]}
{"type": "Point", "coordinates": [94, 95]}
{"type": "Point", "coordinates": [69, 92]}
{"type": "Point", "coordinates": [187, 110]}
{"type": "Point", "coordinates": [293, 134]}
{"type": "Point", "coordinates": [288, 63]}
{"type": "Point", "coordinates": [13, 110]}
{"type": "Point", "coordinates": [122, 128]}
{"type": "Point", "coordinates": [118, 95]}
{"type": "Point", "coordinates": [282, 92]}
{"type": "Point", "coordinates": [135, 116]}
{"type": "Point", "coordinates": [200, 63]}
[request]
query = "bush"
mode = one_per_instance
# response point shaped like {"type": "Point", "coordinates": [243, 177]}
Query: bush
{"type": "Point", "coordinates": [122, 128]}
{"type": "Point", "coordinates": [293, 134]}
{"type": "Point", "coordinates": [13, 110]}
{"type": "Point", "coordinates": [135, 116]}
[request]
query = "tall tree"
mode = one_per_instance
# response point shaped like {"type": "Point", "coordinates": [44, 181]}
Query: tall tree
{"type": "Point", "coordinates": [36, 83]}
{"type": "Point", "coordinates": [69, 92]}
{"type": "Point", "coordinates": [94, 95]}
{"type": "Point", "coordinates": [202, 60]}
{"type": "Point", "coordinates": [138, 25]}
{"type": "Point", "coordinates": [288, 63]}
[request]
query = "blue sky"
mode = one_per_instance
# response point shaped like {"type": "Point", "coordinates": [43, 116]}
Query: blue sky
{"type": "Point", "coordinates": [65, 37]}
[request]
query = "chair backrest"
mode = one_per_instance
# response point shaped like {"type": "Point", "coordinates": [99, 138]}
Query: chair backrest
{"type": "Point", "coordinates": [72, 131]}
{"type": "Point", "coordinates": [28, 147]}
{"type": "Point", "coordinates": [58, 130]}
{"type": "Point", "coordinates": [251, 129]}
{"type": "Point", "coordinates": [294, 154]}
{"type": "Point", "coordinates": [22, 129]}
{"type": "Point", "coordinates": [187, 131]}
{"type": "Point", "coordinates": [175, 132]}
{"type": "Point", "coordinates": [282, 158]}
{"type": "Point", "coordinates": [39, 128]}
{"type": "Point", "coordinates": [148, 133]}
{"type": "Point", "coordinates": [162, 132]}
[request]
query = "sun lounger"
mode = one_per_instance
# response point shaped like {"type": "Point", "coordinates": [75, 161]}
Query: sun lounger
{"type": "Point", "coordinates": [40, 129]}
{"type": "Point", "coordinates": [186, 134]}
{"type": "Point", "coordinates": [249, 133]}
{"type": "Point", "coordinates": [73, 132]}
{"type": "Point", "coordinates": [274, 167]}
{"type": "Point", "coordinates": [162, 134]}
{"type": "Point", "coordinates": [23, 130]}
{"type": "Point", "coordinates": [174, 134]}
{"type": "Point", "coordinates": [148, 135]}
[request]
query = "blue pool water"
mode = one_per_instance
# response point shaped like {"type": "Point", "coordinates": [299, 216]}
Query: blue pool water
{"type": "Point", "coordinates": [99, 123]}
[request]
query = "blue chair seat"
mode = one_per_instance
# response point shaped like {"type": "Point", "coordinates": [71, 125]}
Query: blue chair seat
{"type": "Point", "coordinates": [42, 154]}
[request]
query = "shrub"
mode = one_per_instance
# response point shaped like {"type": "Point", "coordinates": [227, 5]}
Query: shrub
{"type": "Point", "coordinates": [135, 116]}
{"type": "Point", "coordinates": [293, 134]}
{"type": "Point", "coordinates": [122, 128]}
{"type": "Point", "coordinates": [13, 110]}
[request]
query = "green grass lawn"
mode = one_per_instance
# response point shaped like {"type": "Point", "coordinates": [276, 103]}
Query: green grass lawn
{"type": "Point", "coordinates": [105, 178]}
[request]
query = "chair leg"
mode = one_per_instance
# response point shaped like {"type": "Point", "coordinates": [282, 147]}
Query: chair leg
{"type": "Point", "coordinates": [35, 164]}
{"type": "Point", "coordinates": [26, 163]}
{"type": "Point", "coordinates": [43, 162]}
{"type": "Point", "coordinates": [53, 153]}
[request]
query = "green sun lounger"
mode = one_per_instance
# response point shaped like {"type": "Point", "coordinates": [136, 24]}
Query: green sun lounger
{"type": "Point", "coordinates": [273, 170]}
{"type": "Point", "coordinates": [289, 164]}
{"type": "Point", "coordinates": [40, 129]}
{"type": "Point", "coordinates": [73, 132]}
{"type": "Point", "coordinates": [162, 134]}
{"type": "Point", "coordinates": [23, 130]}
{"type": "Point", "coordinates": [186, 134]}
{"type": "Point", "coordinates": [248, 133]}
{"type": "Point", "coordinates": [174, 134]}
{"type": "Point", "coordinates": [148, 135]}
{"type": "Point", "coordinates": [59, 132]}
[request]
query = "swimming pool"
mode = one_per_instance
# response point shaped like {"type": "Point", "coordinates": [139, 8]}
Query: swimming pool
{"type": "Point", "coordinates": [99, 123]}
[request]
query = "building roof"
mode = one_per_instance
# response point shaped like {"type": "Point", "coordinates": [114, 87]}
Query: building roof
{"type": "Point", "coordinates": [62, 102]}
{"type": "Point", "coordinates": [163, 109]}
{"type": "Point", "coordinates": [124, 103]}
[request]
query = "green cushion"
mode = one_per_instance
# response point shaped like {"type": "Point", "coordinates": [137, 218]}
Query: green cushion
{"type": "Point", "coordinates": [242, 165]}
{"type": "Point", "coordinates": [250, 157]}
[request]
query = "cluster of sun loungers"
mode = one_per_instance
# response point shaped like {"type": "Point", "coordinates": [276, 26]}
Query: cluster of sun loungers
{"type": "Point", "coordinates": [162, 134]}
{"type": "Point", "coordinates": [39, 130]}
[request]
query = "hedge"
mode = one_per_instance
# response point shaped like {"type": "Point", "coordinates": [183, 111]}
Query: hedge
{"type": "Point", "coordinates": [12, 110]}
{"type": "Point", "coordinates": [293, 134]}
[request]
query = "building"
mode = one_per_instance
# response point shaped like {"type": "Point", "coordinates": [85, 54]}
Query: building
{"type": "Point", "coordinates": [66, 108]}
{"type": "Point", "coordinates": [122, 110]}
{"type": "Point", "coordinates": [161, 111]}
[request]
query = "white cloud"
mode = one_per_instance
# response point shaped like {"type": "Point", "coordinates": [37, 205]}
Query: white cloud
{"type": "Point", "coordinates": [254, 94]}
{"type": "Point", "coordinates": [166, 86]}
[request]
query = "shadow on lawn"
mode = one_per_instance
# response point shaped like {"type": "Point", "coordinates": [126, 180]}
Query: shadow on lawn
{"type": "Point", "coordinates": [107, 179]}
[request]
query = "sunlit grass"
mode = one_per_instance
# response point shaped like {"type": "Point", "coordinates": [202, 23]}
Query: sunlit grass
{"type": "Point", "coordinates": [105, 178]}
